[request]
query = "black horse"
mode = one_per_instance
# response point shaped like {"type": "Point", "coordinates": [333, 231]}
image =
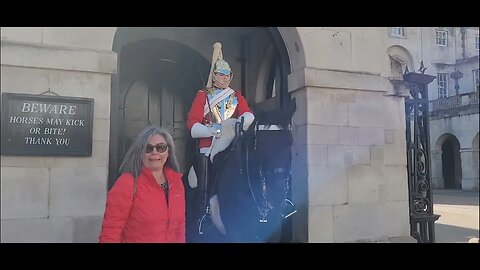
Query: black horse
{"type": "Point", "coordinates": [252, 181]}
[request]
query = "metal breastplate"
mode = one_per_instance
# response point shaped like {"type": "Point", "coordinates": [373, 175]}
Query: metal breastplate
{"type": "Point", "coordinates": [224, 109]}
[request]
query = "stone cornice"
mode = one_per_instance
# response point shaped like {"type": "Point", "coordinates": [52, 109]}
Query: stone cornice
{"type": "Point", "coordinates": [338, 79]}
{"type": "Point", "coordinates": [36, 55]}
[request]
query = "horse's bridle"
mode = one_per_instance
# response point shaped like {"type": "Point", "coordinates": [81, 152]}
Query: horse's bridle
{"type": "Point", "coordinates": [265, 206]}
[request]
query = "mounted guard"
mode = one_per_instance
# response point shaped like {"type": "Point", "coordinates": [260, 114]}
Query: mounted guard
{"type": "Point", "coordinates": [214, 111]}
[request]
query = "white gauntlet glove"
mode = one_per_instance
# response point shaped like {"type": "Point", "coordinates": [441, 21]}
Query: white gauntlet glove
{"type": "Point", "coordinates": [217, 130]}
{"type": "Point", "coordinates": [203, 131]}
{"type": "Point", "coordinates": [248, 118]}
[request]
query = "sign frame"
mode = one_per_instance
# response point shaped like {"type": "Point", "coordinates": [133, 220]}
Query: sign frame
{"type": "Point", "coordinates": [9, 149]}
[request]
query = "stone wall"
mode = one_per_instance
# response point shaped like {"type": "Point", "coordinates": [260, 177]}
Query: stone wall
{"type": "Point", "coordinates": [57, 199]}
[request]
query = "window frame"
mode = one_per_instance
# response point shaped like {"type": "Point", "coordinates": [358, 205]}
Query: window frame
{"type": "Point", "coordinates": [444, 37]}
{"type": "Point", "coordinates": [442, 90]}
{"type": "Point", "coordinates": [395, 35]}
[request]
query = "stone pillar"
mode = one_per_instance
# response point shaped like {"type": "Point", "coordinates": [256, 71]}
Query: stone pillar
{"type": "Point", "coordinates": [300, 168]}
{"type": "Point", "coordinates": [349, 158]}
{"type": "Point", "coordinates": [55, 198]}
{"type": "Point", "coordinates": [476, 168]}
{"type": "Point", "coordinates": [469, 160]}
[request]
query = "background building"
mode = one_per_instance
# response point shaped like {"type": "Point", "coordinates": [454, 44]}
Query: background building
{"type": "Point", "coordinates": [450, 54]}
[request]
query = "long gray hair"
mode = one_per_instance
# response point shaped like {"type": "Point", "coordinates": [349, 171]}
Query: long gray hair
{"type": "Point", "coordinates": [132, 162]}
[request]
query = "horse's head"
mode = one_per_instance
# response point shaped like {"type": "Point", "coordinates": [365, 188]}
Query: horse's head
{"type": "Point", "coordinates": [271, 148]}
{"type": "Point", "coordinates": [253, 175]}
{"type": "Point", "coordinates": [273, 141]}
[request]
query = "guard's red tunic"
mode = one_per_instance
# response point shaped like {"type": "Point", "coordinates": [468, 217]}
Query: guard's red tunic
{"type": "Point", "coordinates": [196, 113]}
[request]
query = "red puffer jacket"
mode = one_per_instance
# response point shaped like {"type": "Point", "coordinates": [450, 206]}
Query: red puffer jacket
{"type": "Point", "coordinates": [145, 215]}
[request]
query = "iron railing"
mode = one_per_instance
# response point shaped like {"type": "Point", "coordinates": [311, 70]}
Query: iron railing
{"type": "Point", "coordinates": [454, 102]}
{"type": "Point", "coordinates": [422, 219]}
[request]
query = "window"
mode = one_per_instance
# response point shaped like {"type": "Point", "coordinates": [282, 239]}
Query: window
{"type": "Point", "coordinates": [442, 84]}
{"type": "Point", "coordinates": [441, 37]}
{"type": "Point", "coordinates": [397, 31]}
{"type": "Point", "coordinates": [476, 83]}
{"type": "Point", "coordinates": [476, 43]}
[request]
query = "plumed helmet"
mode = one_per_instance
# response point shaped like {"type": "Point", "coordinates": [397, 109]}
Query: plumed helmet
{"type": "Point", "coordinates": [221, 66]}
{"type": "Point", "coordinates": [218, 64]}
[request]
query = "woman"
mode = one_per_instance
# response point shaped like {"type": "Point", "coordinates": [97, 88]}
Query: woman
{"type": "Point", "coordinates": [147, 202]}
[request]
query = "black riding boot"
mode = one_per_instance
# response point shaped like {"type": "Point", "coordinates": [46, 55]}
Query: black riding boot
{"type": "Point", "coordinates": [205, 227]}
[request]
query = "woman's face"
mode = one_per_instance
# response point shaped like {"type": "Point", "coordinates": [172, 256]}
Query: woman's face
{"type": "Point", "coordinates": [156, 153]}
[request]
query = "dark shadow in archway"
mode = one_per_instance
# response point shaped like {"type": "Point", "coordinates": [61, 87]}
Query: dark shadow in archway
{"type": "Point", "coordinates": [451, 164]}
{"type": "Point", "coordinates": [156, 83]}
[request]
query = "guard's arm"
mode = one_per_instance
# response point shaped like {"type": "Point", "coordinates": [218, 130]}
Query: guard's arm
{"type": "Point", "coordinates": [244, 111]}
{"type": "Point", "coordinates": [195, 115]}
{"type": "Point", "coordinates": [202, 131]}
{"type": "Point", "coordinates": [248, 118]}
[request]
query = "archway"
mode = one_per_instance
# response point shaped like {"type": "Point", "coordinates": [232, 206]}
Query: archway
{"type": "Point", "coordinates": [178, 59]}
{"type": "Point", "coordinates": [399, 58]}
{"type": "Point", "coordinates": [161, 69]}
{"type": "Point", "coordinates": [475, 142]}
{"type": "Point", "coordinates": [155, 83]}
{"type": "Point", "coordinates": [451, 161]}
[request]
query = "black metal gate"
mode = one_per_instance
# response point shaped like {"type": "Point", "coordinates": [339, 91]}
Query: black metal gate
{"type": "Point", "coordinates": [422, 219]}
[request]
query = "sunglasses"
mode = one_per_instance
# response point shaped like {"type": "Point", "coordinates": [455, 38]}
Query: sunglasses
{"type": "Point", "coordinates": [161, 147]}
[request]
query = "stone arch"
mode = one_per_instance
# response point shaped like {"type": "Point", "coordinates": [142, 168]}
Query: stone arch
{"type": "Point", "coordinates": [444, 137]}
{"type": "Point", "coordinates": [448, 146]}
{"type": "Point", "coordinates": [286, 42]}
{"type": "Point", "coordinates": [157, 63]}
{"type": "Point", "coordinates": [475, 142]}
{"type": "Point", "coordinates": [294, 47]}
{"type": "Point", "coordinates": [263, 74]}
{"type": "Point", "coordinates": [399, 58]}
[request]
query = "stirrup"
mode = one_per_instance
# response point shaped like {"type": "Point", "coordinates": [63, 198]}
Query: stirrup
{"type": "Point", "coordinates": [200, 222]}
{"type": "Point", "coordinates": [263, 219]}
{"type": "Point", "coordinates": [289, 209]}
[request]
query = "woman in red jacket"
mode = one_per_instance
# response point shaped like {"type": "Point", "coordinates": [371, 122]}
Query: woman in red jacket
{"type": "Point", "coordinates": [147, 202]}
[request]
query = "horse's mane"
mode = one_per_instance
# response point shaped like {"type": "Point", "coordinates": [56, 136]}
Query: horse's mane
{"type": "Point", "coordinates": [276, 117]}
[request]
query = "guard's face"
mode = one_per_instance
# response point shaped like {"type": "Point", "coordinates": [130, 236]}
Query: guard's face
{"type": "Point", "coordinates": [156, 153]}
{"type": "Point", "coordinates": [221, 80]}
